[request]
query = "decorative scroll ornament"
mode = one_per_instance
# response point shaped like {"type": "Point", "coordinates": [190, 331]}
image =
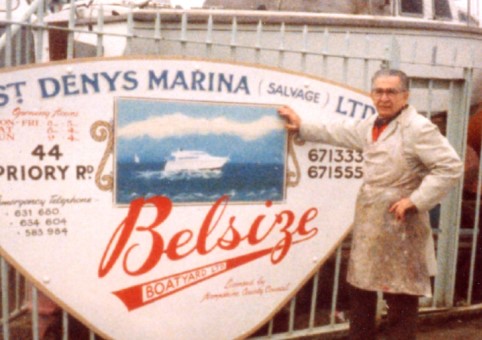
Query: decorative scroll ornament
{"type": "Point", "coordinates": [101, 131]}
{"type": "Point", "coordinates": [294, 177]}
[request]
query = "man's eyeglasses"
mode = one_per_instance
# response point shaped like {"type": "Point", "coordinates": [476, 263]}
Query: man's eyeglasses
{"type": "Point", "coordinates": [389, 92]}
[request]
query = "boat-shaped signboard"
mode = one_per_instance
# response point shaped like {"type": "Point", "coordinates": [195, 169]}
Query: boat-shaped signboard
{"type": "Point", "coordinates": [163, 198]}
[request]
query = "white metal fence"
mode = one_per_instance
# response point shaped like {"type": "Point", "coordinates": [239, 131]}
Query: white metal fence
{"type": "Point", "coordinates": [445, 81]}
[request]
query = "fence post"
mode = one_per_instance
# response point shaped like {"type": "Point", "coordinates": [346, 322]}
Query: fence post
{"type": "Point", "coordinates": [448, 238]}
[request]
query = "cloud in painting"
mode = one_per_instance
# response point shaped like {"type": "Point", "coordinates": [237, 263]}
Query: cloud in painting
{"type": "Point", "coordinates": [178, 124]}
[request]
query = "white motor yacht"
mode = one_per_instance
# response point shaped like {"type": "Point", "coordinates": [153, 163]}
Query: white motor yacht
{"type": "Point", "coordinates": [194, 160]}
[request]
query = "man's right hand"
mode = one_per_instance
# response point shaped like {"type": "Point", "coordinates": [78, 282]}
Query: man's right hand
{"type": "Point", "coordinates": [293, 121]}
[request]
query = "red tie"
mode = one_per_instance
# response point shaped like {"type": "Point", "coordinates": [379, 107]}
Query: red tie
{"type": "Point", "coordinates": [378, 127]}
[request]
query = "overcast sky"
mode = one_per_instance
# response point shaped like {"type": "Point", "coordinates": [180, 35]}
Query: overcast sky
{"type": "Point", "coordinates": [476, 6]}
{"type": "Point", "coordinates": [153, 129]}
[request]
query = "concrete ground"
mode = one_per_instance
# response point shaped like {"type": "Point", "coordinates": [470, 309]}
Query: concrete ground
{"type": "Point", "coordinates": [458, 328]}
{"type": "Point", "coordinates": [460, 325]}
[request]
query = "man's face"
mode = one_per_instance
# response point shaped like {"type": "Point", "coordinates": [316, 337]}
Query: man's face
{"type": "Point", "coordinates": [388, 96]}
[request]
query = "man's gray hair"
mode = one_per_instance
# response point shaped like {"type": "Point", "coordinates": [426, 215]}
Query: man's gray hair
{"type": "Point", "coordinates": [390, 72]}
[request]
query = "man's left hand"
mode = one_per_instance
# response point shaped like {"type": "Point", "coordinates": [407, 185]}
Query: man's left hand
{"type": "Point", "coordinates": [401, 208]}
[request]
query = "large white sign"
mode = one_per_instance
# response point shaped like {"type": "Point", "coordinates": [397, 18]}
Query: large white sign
{"type": "Point", "coordinates": [161, 198]}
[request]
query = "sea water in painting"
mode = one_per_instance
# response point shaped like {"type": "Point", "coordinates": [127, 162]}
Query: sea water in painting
{"type": "Point", "coordinates": [195, 152]}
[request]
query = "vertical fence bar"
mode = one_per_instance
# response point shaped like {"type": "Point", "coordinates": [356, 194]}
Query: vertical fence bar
{"type": "Point", "coordinates": [8, 36]}
{"type": "Point", "coordinates": [130, 31]}
{"type": "Point", "coordinates": [366, 64]}
{"type": "Point", "coordinates": [291, 321]}
{"type": "Point", "coordinates": [18, 44]}
{"type": "Point", "coordinates": [183, 38]}
{"type": "Point", "coordinates": [28, 41]}
{"type": "Point", "coordinates": [65, 325]}
{"type": "Point", "coordinates": [270, 327]}
{"type": "Point", "coordinates": [234, 35]}
{"type": "Point", "coordinates": [5, 302]}
{"type": "Point", "coordinates": [469, 11]}
{"type": "Point", "coordinates": [257, 45]}
{"type": "Point", "coordinates": [455, 56]}
{"type": "Point", "coordinates": [18, 302]}
{"type": "Point", "coordinates": [430, 82]}
{"type": "Point", "coordinates": [281, 48]}
{"type": "Point", "coordinates": [40, 32]}
{"type": "Point", "coordinates": [26, 290]}
{"type": "Point", "coordinates": [100, 34]}
{"type": "Point", "coordinates": [35, 316]}
{"type": "Point", "coordinates": [314, 298]}
{"type": "Point", "coordinates": [430, 98]}
{"type": "Point", "coordinates": [345, 57]}
{"type": "Point", "coordinates": [157, 32]}
{"type": "Point", "coordinates": [304, 47]}
{"type": "Point", "coordinates": [394, 53]}
{"type": "Point", "coordinates": [448, 240]}
{"type": "Point", "coordinates": [209, 36]}
{"type": "Point", "coordinates": [70, 36]}
{"type": "Point", "coordinates": [324, 51]}
{"type": "Point", "coordinates": [414, 52]}
{"type": "Point", "coordinates": [434, 55]}
{"type": "Point", "coordinates": [396, 9]}
{"type": "Point", "coordinates": [336, 285]}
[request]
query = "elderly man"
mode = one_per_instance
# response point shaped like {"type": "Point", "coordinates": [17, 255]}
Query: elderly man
{"type": "Point", "coordinates": [408, 168]}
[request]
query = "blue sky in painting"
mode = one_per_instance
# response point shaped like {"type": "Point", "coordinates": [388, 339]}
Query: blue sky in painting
{"type": "Point", "coordinates": [153, 129]}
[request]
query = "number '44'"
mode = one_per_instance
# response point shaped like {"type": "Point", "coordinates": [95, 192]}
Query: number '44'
{"type": "Point", "coordinates": [39, 152]}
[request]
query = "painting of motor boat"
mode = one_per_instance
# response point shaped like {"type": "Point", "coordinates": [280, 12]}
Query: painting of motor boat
{"type": "Point", "coordinates": [195, 152]}
{"type": "Point", "coordinates": [194, 160]}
